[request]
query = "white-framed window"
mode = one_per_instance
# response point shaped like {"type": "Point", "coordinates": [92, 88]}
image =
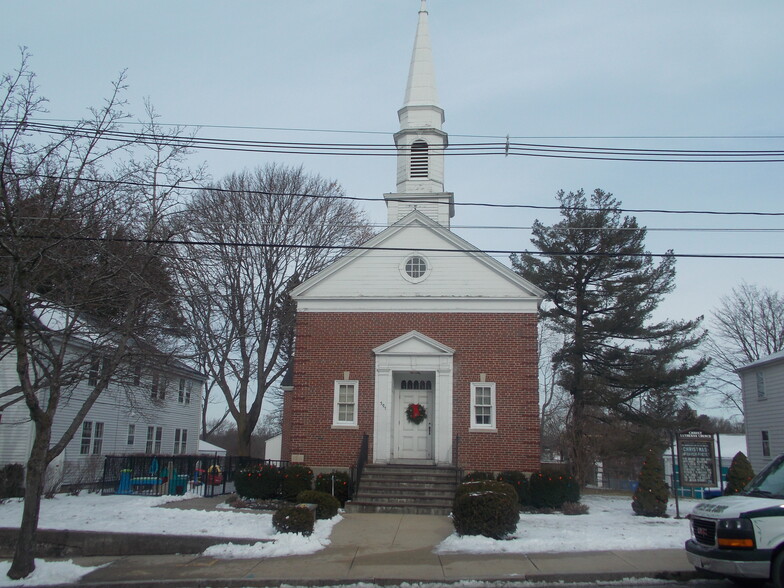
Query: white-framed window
{"type": "Point", "coordinates": [95, 371]}
{"type": "Point", "coordinates": [158, 387]}
{"type": "Point", "coordinates": [760, 385]}
{"type": "Point", "coordinates": [345, 410]}
{"type": "Point", "coordinates": [131, 434]}
{"type": "Point", "coordinates": [181, 397]}
{"type": "Point", "coordinates": [483, 406]}
{"type": "Point", "coordinates": [92, 438]}
{"type": "Point", "coordinates": [765, 444]}
{"type": "Point", "coordinates": [180, 441]}
{"type": "Point", "coordinates": [188, 391]}
{"type": "Point", "coordinates": [415, 268]}
{"type": "Point", "coordinates": [154, 439]}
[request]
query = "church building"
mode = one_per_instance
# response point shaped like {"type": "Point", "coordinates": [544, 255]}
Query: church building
{"type": "Point", "coordinates": [417, 340]}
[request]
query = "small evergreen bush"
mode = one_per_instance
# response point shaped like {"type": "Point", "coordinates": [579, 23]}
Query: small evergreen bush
{"type": "Point", "coordinates": [552, 490]}
{"type": "Point", "coordinates": [261, 481]}
{"type": "Point", "coordinates": [479, 486]}
{"type": "Point", "coordinates": [342, 485]}
{"type": "Point", "coordinates": [12, 480]}
{"type": "Point", "coordinates": [486, 512]}
{"type": "Point", "coordinates": [296, 478]}
{"type": "Point", "coordinates": [294, 519]}
{"type": "Point", "coordinates": [519, 482]}
{"type": "Point", "coordinates": [326, 505]}
{"type": "Point", "coordinates": [476, 476]}
{"type": "Point", "coordinates": [739, 474]}
{"type": "Point", "coordinates": [650, 498]}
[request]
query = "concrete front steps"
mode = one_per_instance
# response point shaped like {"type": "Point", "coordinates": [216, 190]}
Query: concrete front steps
{"type": "Point", "coordinates": [406, 489]}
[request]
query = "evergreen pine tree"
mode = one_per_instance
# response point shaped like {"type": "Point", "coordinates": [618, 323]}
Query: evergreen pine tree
{"type": "Point", "coordinates": [650, 498]}
{"type": "Point", "coordinates": [602, 290]}
{"type": "Point", "coordinates": [739, 474]}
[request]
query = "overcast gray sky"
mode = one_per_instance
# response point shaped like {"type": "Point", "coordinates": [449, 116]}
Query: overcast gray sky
{"type": "Point", "coordinates": [599, 73]}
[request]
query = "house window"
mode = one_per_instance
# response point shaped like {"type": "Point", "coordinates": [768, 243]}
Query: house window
{"type": "Point", "coordinates": [95, 370]}
{"type": "Point", "coordinates": [181, 397]}
{"type": "Point", "coordinates": [137, 375]}
{"type": "Point", "coordinates": [97, 438]}
{"type": "Point", "coordinates": [345, 410]}
{"type": "Point", "coordinates": [92, 438]}
{"type": "Point", "coordinates": [131, 434]}
{"type": "Point", "coordinates": [87, 432]}
{"type": "Point", "coordinates": [154, 438]}
{"type": "Point", "coordinates": [765, 444]}
{"type": "Point", "coordinates": [188, 391]}
{"type": "Point", "coordinates": [419, 159]}
{"type": "Point", "coordinates": [180, 440]}
{"type": "Point", "coordinates": [760, 385]}
{"type": "Point", "coordinates": [158, 387]}
{"type": "Point", "coordinates": [483, 405]}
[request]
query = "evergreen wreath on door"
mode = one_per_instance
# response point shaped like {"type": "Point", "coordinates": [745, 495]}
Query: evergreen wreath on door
{"type": "Point", "coordinates": [416, 413]}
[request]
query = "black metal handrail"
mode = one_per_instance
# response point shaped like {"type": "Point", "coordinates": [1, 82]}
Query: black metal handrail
{"type": "Point", "coordinates": [362, 458]}
{"type": "Point", "coordinates": [456, 459]}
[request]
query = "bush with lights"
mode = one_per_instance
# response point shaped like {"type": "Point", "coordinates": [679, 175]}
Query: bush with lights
{"type": "Point", "coordinates": [650, 498]}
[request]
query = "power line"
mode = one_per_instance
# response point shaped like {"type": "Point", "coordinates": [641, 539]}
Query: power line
{"type": "Point", "coordinates": [274, 245]}
{"type": "Point", "coordinates": [473, 136]}
{"type": "Point", "coordinates": [504, 148]}
{"type": "Point", "coordinates": [378, 200]}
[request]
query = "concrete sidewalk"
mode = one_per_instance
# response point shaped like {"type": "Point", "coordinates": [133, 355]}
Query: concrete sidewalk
{"type": "Point", "coordinates": [388, 549]}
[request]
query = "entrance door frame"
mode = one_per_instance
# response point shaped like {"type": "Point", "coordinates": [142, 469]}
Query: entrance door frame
{"type": "Point", "coordinates": [412, 352]}
{"type": "Point", "coordinates": [428, 424]}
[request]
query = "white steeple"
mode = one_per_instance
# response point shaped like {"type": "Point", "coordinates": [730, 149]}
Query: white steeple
{"type": "Point", "coordinates": [420, 141]}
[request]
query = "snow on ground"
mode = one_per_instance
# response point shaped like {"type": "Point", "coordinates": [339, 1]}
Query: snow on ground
{"type": "Point", "coordinates": [46, 573]}
{"type": "Point", "coordinates": [119, 513]}
{"type": "Point", "coordinates": [609, 525]}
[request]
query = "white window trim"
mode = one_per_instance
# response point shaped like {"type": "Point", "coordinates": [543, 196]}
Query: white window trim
{"type": "Point", "coordinates": [489, 428]}
{"type": "Point", "coordinates": [404, 273]}
{"type": "Point", "coordinates": [760, 379]}
{"type": "Point", "coordinates": [336, 423]}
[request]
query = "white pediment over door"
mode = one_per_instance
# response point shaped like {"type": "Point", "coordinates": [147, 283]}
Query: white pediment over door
{"type": "Point", "coordinates": [414, 343]}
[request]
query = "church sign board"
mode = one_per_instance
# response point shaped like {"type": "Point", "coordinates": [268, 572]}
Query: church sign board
{"type": "Point", "coordinates": [696, 459]}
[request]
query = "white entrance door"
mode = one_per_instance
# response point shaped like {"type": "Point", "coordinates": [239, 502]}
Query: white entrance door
{"type": "Point", "coordinates": [414, 441]}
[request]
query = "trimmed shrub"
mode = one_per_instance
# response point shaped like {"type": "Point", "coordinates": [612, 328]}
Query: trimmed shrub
{"type": "Point", "coordinates": [261, 481]}
{"type": "Point", "coordinates": [476, 476]}
{"type": "Point", "coordinates": [650, 498]}
{"type": "Point", "coordinates": [519, 482]}
{"type": "Point", "coordinates": [480, 486]}
{"type": "Point", "coordinates": [12, 480]}
{"type": "Point", "coordinates": [574, 508]}
{"type": "Point", "coordinates": [326, 505]}
{"type": "Point", "coordinates": [294, 519]}
{"type": "Point", "coordinates": [296, 479]}
{"type": "Point", "coordinates": [552, 490]}
{"type": "Point", "coordinates": [342, 485]}
{"type": "Point", "coordinates": [739, 474]}
{"type": "Point", "coordinates": [486, 512]}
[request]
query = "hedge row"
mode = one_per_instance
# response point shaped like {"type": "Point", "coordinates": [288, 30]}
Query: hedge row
{"type": "Point", "coordinates": [540, 490]}
{"type": "Point", "coordinates": [267, 482]}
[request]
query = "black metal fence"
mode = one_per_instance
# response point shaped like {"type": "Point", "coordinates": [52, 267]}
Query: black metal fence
{"type": "Point", "coordinates": [156, 475]}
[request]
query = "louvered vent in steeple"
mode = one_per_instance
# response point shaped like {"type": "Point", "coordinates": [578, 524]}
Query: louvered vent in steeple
{"type": "Point", "coordinates": [419, 160]}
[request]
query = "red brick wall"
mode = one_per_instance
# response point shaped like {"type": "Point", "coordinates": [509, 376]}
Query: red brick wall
{"type": "Point", "coordinates": [503, 346]}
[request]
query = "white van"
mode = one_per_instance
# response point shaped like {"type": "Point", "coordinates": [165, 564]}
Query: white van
{"type": "Point", "coordinates": [741, 536]}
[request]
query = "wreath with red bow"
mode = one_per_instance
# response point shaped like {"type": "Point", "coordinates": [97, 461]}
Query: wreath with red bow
{"type": "Point", "coordinates": [416, 413]}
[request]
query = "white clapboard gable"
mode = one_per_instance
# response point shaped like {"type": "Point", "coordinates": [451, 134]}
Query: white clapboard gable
{"type": "Point", "coordinates": [459, 278]}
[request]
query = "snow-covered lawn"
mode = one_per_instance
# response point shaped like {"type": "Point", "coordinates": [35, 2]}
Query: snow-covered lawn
{"type": "Point", "coordinates": [609, 525]}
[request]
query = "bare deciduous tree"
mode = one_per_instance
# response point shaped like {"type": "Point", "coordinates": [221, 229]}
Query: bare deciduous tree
{"type": "Point", "coordinates": [84, 280]}
{"type": "Point", "coordinates": [253, 237]}
{"type": "Point", "coordinates": [748, 324]}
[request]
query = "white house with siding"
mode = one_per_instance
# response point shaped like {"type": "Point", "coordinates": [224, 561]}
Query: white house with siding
{"type": "Point", "coordinates": [762, 382]}
{"type": "Point", "coordinates": [164, 419]}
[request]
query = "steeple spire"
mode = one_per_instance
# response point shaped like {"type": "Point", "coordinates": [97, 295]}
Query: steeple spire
{"type": "Point", "coordinates": [420, 141]}
{"type": "Point", "coordinates": [421, 87]}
